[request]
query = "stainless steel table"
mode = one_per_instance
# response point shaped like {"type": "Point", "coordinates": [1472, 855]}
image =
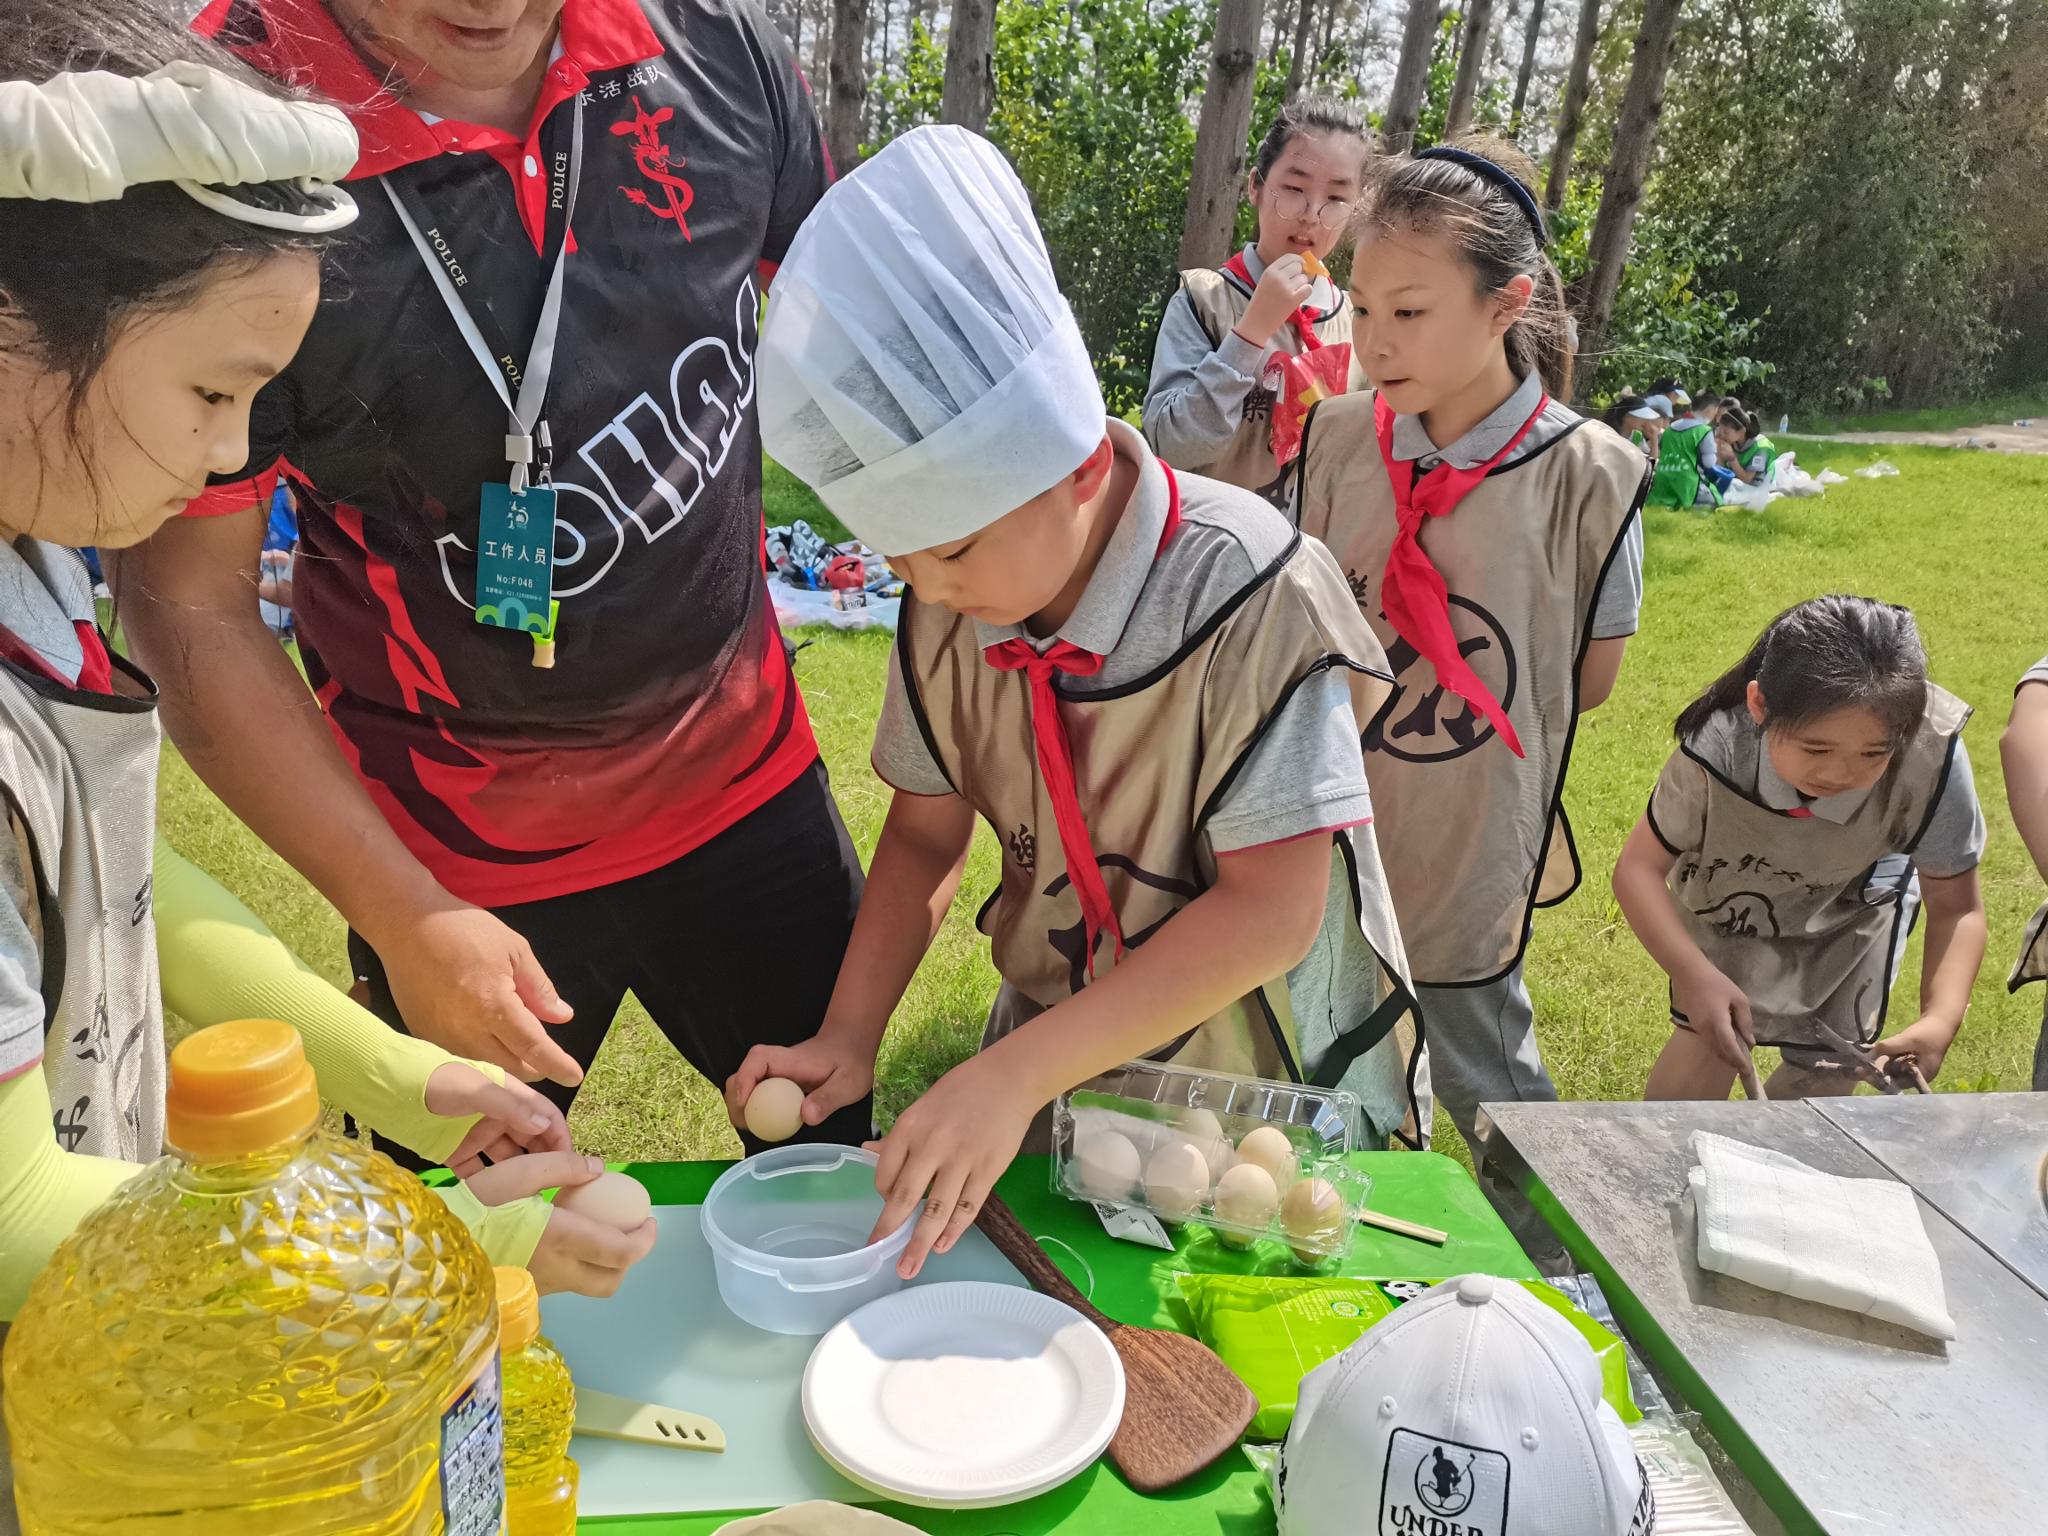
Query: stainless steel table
{"type": "Point", "coordinates": [1843, 1425]}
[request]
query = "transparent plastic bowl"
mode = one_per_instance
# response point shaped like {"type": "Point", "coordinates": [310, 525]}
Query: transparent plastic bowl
{"type": "Point", "coordinates": [788, 1233]}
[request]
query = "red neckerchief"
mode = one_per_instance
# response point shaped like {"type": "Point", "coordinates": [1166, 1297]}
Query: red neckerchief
{"type": "Point", "coordinates": [95, 671]}
{"type": "Point", "coordinates": [1303, 319]}
{"type": "Point", "coordinates": [1412, 593]}
{"type": "Point", "coordinates": [1056, 753]}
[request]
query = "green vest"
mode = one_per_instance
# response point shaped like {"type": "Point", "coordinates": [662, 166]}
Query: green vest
{"type": "Point", "coordinates": [1678, 481]}
{"type": "Point", "coordinates": [1763, 448]}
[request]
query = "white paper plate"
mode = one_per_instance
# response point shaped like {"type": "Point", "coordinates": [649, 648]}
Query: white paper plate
{"type": "Point", "coordinates": [963, 1396]}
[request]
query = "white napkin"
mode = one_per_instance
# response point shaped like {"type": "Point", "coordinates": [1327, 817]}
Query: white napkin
{"type": "Point", "coordinates": [1857, 1244]}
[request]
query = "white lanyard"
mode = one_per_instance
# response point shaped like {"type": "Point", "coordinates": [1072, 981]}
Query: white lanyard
{"type": "Point", "coordinates": [526, 425]}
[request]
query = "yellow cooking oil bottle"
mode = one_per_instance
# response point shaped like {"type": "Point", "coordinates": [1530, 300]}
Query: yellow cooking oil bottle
{"type": "Point", "coordinates": [540, 1415]}
{"type": "Point", "coordinates": [270, 1330]}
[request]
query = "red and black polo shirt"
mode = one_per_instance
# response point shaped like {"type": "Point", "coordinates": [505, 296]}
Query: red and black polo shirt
{"type": "Point", "coordinates": [670, 713]}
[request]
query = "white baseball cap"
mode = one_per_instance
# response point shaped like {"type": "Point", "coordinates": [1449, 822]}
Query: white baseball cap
{"type": "Point", "coordinates": [1474, 1410]}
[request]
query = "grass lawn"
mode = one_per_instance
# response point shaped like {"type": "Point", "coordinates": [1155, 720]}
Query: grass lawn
{"type": "Point", "coordinates": [1954, 536]}
{"type": "Point", "coordinates": [1992, 411]}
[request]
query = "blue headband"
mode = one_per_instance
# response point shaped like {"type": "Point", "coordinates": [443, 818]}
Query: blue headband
{"type": "Point", "coordinates": [1499, 176]}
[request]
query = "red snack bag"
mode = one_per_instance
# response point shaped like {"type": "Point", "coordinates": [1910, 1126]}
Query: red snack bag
{"type": "Point", "coordinates": [1312, 376]}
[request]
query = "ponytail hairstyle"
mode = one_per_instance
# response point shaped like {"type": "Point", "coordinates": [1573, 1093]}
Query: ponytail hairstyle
{"type": "Point", "coordinates": [1497, 229]}
{"type": "Point", "coordinates": [1310, 114]}
{"type": "Point", "coordinates": [1828, 653]}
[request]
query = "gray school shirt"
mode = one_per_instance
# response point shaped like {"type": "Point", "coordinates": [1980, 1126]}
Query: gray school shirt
{"type": "Point", "coordinates": [1308, 772]}
{"type": "Point", "coordinates": [1194, 401]}
{"type": "Point", "coordinates": [1617, 610]}
{"type": "Point", "coordinates": [1953, 844]}
{"type": "Point", "coordinates": [1307, 775]}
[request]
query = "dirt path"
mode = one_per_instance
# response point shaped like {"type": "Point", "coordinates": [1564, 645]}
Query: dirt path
{"type": "Point", "coordinates": [1996, 437]}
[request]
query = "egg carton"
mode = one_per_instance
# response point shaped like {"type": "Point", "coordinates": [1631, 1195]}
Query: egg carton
{"type": "Point", "coordinates": [1251, 1159]}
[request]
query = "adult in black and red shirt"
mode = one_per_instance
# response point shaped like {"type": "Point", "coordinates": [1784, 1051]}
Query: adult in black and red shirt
{"type": "Point", "coordinates": [511, 843]}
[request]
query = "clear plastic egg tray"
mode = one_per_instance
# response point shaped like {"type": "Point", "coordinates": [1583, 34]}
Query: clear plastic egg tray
{"type": "Point", "coordinates": [1173, 1141]}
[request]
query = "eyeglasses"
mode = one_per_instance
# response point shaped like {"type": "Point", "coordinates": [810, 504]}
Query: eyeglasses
{"type": "Point", "coordinates": [1330, 213]}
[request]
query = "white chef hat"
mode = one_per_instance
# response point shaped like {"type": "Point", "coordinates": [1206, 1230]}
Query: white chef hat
{"type": "Point", "coordinates": [919, 368]}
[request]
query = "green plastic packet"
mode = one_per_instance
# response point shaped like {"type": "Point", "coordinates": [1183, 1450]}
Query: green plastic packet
{"type": "Point", "coordinates": [1272, 1330]}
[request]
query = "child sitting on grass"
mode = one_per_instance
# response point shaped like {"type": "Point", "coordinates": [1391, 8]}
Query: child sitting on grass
{"type": "Point", "coordinates": [1820, 787]}
{"type": "Point", "coordinates": [1146, 683]}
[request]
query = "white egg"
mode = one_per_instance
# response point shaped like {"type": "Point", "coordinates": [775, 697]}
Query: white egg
{"type": "Point", "coordinates": [1203, 1129]}
{"type": "Point", "coordinates": [1108, 1164]}
{"type": "Point", "coordinates": [775, 1109]}
{"type": "Point", "coordinates": [1312, 1216]}
{"type": "Point", "coordinates": [1177, 1180]}
{"type": "Point", "coordinates": [611, 1198]}
{"type": "Point", "coordinates": [1247, 1197]}
{"type": "Point", "coordinates": [1269, 1148]}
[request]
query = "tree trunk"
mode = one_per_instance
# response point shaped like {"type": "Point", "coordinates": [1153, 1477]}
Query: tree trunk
{"type": "Point", "coordinates": [1578, 83]}
{"type": "Point", "coordinates": [1471, 65]}
{"type": "Point", "coordinates": [847, 108]}
{"type": "Point", "coordinates": [1411, 75]}
{"type": "Point", "coordinates": [1226, 120]}
{"type": "Point", "coordinates": [1635, 138]}
{"type": "Point", "coordinates": [1528, 69]}
{"type": "Point", "coordinates": [970, 90]}
{"type": "Point", "coordinates": [1296, 63]}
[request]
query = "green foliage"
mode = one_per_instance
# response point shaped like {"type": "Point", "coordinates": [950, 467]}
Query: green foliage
{"type": "Point", "coordinates": [1091, 106]}
{"type": "Point", "coordinates": [1666, 319]}
{"type": "Point", "coordinates": [1833, 153]}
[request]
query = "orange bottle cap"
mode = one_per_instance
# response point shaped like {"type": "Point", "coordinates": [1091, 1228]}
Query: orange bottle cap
{"type": "Point", "coordinates": [518, 1309]}
{"type": "Point", "coordinates": [239, 1088]}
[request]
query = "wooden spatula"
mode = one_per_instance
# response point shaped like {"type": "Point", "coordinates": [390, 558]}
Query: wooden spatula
{"type": "Point", "coordinates": [1183, 1407]}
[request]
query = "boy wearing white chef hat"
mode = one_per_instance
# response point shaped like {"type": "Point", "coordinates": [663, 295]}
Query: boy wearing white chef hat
{"type": "Point", "coordinates": [1474, 1410]}
{"type": "Point", "coordinates": [1147, 684]}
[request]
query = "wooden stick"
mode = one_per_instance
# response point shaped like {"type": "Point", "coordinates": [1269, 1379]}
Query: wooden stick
{"type": "Point", "coordinates": [1752, 1084]}
{"type": "Point", "coordinates": [1401, 1228]}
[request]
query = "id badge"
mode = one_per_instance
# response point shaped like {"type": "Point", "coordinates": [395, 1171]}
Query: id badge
{"type": "Point", "coordinates": [515, 559]}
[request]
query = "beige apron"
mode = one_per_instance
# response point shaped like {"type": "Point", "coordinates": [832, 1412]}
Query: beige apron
{"type": "Point", "coordinates": [1220, 300]}
{"type": "Point", "coordinates": [1786, 906]}
{"type": "Point", "coordinates": [1474, 837]}
{"type": "Point", "coordinates": [1151, 761]}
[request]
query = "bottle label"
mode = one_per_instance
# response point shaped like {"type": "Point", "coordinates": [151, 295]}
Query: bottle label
{"type": "Point", "coordinates": [473, 1457]}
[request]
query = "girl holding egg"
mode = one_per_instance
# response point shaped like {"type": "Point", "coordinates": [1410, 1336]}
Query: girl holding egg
{"type": "Point", "coordinates": [1219, 373]}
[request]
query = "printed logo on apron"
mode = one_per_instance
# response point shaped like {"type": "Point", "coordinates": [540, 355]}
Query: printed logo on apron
{"type": "Point", "coordinates": [1071, 944]}
{"type": "Point", "coordinates": [1743, 915]}
{"type": "Point", "coordinates": [1431, 724]}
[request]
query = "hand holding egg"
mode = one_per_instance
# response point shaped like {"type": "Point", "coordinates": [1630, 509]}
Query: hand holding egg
{"type": "Point", "coordinates": [612, 1198]}
{"type": "Point", "coordinates": [775, 1109]}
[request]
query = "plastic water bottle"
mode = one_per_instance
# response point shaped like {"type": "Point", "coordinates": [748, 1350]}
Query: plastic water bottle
{"type": "Point", "coordinates": [540, 1415]}
{"type": "Point", "coordinates": [271, 1330]}
{"type": "Point", "coordinates": [1784, 423]}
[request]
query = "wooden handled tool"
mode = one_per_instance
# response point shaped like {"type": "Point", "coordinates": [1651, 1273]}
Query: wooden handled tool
{"type": "Point", "coordinates": [627, 1418]}
{"type": "Point", "coordinates": [1414, 1229]}
{"type": "Point", "coordinates": [1183, 1407]}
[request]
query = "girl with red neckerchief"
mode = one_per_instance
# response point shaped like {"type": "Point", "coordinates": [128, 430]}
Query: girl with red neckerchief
{"type": "Point", "coordinates": [1491, 537]}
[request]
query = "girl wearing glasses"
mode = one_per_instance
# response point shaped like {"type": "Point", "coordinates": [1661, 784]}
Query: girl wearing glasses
{"type": "Point", "coordinates": [1219, 384]}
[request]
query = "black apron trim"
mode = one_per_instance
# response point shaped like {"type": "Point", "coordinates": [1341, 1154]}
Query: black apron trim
{"type": "Point", "coordinates": [1325, 663]}
{"type": "Point", "coordinates": [1215, 341]}
{"type": "Point", "coordinates": [1571, 846]}
{"type": "Point", "coordinates": [1571, 736]}
{"type": "Point", "coordinates": [1287, 1058]}
{"type": "Point", "coordinates": [1189, 646]}
{"type": "Point", "coordinates": [48, 909]}
{"type": "Point", "coordinates": [48, 688]}
{"type": "Point", "coordinates": [1650, 817]}
{"type": "Point", "coordinates": [905, 618]}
